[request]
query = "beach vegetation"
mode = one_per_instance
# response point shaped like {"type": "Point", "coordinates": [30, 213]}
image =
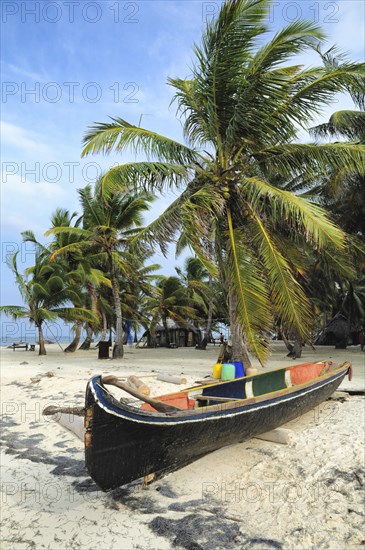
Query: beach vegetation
{"type": "Point", "coordinates": [108, 225]}
{"type": "Point", "coordinates": [241, 110]}
{"type": "Point", "coordinates": [46, 295]}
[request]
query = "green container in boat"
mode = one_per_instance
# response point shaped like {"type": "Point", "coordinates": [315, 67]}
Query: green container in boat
{"type": "Point", "coordinates": [228, 371]}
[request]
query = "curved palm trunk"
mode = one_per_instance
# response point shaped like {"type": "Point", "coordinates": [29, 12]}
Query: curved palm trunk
{"type": "Point", "coordinates": [295, 350]}
{"type": "Point", "coordinates": [288, 345]}
{"type": "Point", "coordinates": [210, 304]}
{"type": "Point", "coordinates": [42, 347]}
{"type": "Point", "coordinates": [207, 337]}
{"type": "Point", "coordinates": [93, 297]}
{"type": "Point", "coordinates": [151, 334]}
{"type": "Point", "coordinates": [94, 309]}
{"type": "Point", "coordinates": [89, 335]}
{"type": "Point", "coordinates": [342, 344]}
{"type": "Point", "coordinates": [167, 336]}
{"type": "Point", "coordinates": [118, 351]}
{"type": "Point", "coordinates": [239, 350]}
{"type": "Point", "coordinates": [151, 338]}
{"type": "Point", "coordinates": [104, 329]}
{"type": "Point", "coordinates": [75, 342]}
{"type": "Point", "coordinates": [210, 320]}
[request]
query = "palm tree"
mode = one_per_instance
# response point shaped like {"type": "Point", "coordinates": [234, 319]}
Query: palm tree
{"type": "Point", "coordinates": [45, 293]}
{"type": "Point", "coordinates": [241, 109]}
{"type": "Point", "coordinates": [86, 282]}
{"type": "Point", "coordinates": [109, 222]}
{"type": "Point", "coordinates": [341, 191]}
{"type": "Point", "coordinates": [199, 286]}
{"type": "Point", "coordinates": [170, 302]}
{"type": "Point", "coordinates": [137, 287]}
{"type": "Point", "coordinates": [75, 268]}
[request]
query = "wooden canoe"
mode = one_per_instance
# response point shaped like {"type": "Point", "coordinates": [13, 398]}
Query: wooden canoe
{"type": "Point", "coordinates": [125, 441]}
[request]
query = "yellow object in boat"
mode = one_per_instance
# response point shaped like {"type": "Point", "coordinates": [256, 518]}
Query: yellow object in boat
{"type": "Point", "coordinates": [217, 370]}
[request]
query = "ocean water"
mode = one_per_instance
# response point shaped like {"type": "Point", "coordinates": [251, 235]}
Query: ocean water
{"type": "Point", "coordinates": [23, 331]}
{"type": "Point", "coordinates": [5, 342]}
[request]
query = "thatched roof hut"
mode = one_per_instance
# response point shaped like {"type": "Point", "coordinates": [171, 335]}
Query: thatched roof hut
{"type": "Point", "coordinates": [178, 335]}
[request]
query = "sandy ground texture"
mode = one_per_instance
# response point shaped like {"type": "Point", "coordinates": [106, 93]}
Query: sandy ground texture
{"type": "Point", "coordinates": [253, 495]}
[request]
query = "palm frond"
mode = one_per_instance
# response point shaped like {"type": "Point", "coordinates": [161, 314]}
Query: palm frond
{"type": "Point", "coordinates": [44, 314]}
{"type": "Point", "coordinates": [76, 314]}
{"type": "Point", "coordinates": [145, 175]}
{"type": "Point", "coordinates": [73, 247]}
{"type": "Point", "coordinates": [11, 262]}
{"type": "Point", "coordinates": [198, 215]}
{"type": "Point", "coordinates": [15, 311]}
{"type": "Point", "coordinates": [317, 87]}
{"type": "Point", "coordinates": [348, 124]}
{"type": "Point", "coordinates": [253, 306]}
{"type": "Point", "coordinates": [291, 40]}
{"type": "Point", "coordinates": [97, 277]}
{"type": "Point", "coordinates": [294, 158]}
{"type": "Point", "coordinates": [89, 203]}
{"type": "Point", "coordinates": [163, 229]}
{"type": "Point", "coordinates": [120, 135]}
{"type": "Point", "coordinates": [68, 230]}
{"type": "Point", "coordinates": [229, 37]}
{"type": "Point", "coordinates": [290, 301]}
{"type": "Point", "coordinates": [297, 212]}
{"type": "Point", "coordinates": [341, 264]}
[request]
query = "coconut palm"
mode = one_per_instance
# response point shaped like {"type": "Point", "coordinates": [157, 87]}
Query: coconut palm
{"type": "Point", "coordinates": [70, 264]}
{"type": "Point", "coordinates": [341, 191]}
{"type": "Point", "coordinates": [109, 222]}
{"type": "Point", "coordinates": [75, 268]}
{"type": "Point", "coordinates": [171, 301]}
{"type": "Point", "coordinates": [199, 286]}
{"type": "Point", "coordinates": [86, 282]}
{"type": "Point", "coordinates": [137, 288]}
{"type": "Point", "coordinates": [45, 293]}
{"type": "Point", "coordinates": [241, 109]}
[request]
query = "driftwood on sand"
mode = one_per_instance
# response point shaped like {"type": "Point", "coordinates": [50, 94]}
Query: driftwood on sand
{"type": "Point", "coordinates": [171, 379]}
{"type": "Point", "coordinates": [51, 410]}
{"type": "Point", "coordinates": [137, 384]}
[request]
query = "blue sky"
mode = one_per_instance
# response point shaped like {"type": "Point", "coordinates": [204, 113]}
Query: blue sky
{"type": "Point", "coordinates": [68, 64]}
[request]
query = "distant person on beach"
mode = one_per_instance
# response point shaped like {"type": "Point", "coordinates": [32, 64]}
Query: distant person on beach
{"type": "Point", "coordinates": [221, 338]}
{"type": "Point", "coordinates": [361, 338]}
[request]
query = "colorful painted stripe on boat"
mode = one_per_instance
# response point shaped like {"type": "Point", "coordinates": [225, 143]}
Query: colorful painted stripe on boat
{"type": "Point", "coordinates": [300, 374]}
{"type": "Point", "coordinates": [265, 382]}
{"type": "Point", "coordinates": [280, 379]}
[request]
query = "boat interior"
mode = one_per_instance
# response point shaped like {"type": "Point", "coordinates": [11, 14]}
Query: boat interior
{"type": "Point", "coordinates": [247, 387]}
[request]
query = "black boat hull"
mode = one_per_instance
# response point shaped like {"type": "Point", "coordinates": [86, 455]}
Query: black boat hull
{"type": "Point", "coordinates": [121, 447]}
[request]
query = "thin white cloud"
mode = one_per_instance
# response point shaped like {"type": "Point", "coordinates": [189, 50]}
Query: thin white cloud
{"type": "Point", "coordinates": [347, 30]}
{"type": "Point", "coordinates": [23, 140]}
{"type": "Point", "coordinates": [37, 202]}
{"type": "Point", "coordinates": [28, 74]}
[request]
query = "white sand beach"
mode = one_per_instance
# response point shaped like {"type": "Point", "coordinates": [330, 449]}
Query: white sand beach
{"type": "Point", "coordinates": [254, 495]}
